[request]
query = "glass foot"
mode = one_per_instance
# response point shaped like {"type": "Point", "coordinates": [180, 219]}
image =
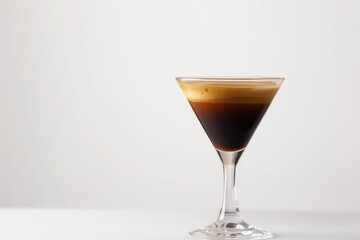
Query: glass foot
{"type": "Point", "coordinates": [230, 230]}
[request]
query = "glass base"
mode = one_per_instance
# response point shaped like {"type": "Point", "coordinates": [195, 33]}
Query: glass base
{"type": "Point", "coordinates": [231, 230]}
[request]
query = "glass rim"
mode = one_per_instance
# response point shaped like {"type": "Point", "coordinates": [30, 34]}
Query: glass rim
{"type": "Point", "coordinates": [229, 79]}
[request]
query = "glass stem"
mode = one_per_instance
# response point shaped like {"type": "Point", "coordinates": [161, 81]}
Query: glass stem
{"type": "Point", "coordinates": [230, 208]}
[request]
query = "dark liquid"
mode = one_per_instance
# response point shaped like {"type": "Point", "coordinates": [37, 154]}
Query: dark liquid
{"type": "Point", "coordinates": [230, 126]}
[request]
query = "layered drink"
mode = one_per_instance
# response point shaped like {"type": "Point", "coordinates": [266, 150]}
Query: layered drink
{"type": "Point", "coordinates": [229, 111]}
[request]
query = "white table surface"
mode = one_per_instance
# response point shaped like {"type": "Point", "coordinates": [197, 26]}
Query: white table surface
{"type": "Point", "coordinates": [120, 224]}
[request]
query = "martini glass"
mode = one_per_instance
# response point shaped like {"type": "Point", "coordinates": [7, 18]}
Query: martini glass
{"type": "Point", "coordinates": [229, 110]}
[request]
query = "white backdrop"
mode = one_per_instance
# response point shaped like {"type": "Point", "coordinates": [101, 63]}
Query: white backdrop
{"type": "Point", "coordinates": [91, 115]}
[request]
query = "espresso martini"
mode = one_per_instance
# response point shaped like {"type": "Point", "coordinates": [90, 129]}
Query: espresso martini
{"type": "Point", "coordinates": [229, 111]}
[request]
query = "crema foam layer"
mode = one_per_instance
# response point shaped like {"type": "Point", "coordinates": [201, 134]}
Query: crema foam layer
{"type": "Point", "coordinates": [230, 91]}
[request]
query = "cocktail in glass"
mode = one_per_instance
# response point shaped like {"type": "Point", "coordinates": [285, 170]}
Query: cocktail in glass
{"type": "Point", "coordinates": [230, 109]}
